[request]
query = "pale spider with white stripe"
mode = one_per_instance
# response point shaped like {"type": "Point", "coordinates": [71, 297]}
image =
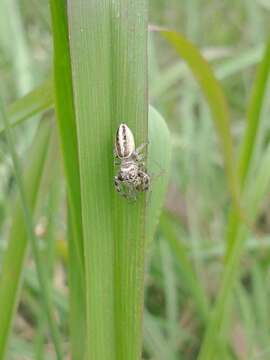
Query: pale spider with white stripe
{"type": "Point", "coordinates": [132, 177]}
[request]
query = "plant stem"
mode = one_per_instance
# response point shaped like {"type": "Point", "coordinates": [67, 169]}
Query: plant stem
{"type": "Point", "coordinates": [31, 237]}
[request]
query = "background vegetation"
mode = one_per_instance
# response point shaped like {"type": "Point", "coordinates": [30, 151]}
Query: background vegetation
{"type": "Point", "coordinates": [207, 285]}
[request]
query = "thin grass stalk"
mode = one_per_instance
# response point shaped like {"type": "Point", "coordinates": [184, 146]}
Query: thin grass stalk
{"type": "Point", "coordinates": [250, 136]}
{"type": "Point", "coordinates": [64, 103]}
{"type": "Point", "coordinates": [15, 254]}
{"type": "Point", "coordinates": [50, 246]}
{"type": "Point", "coordinates": [31, 236]}
{"type": "Point", "coordinates": [217, 102]}
{"type": "Point", "coordinates": [217, 325]}
{"type": "Point", "coordinates": [191, 280]}
{"type": "Point", "coordinates": [36, 101]}
{"type": "Point", "coordinates": [76, 296]}
{"type": "Point", "coordinates": [18, 48]}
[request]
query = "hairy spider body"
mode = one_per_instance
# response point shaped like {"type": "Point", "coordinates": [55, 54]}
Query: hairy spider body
{"type": "Point", "coordinates": [124, 142]}
{"type": "Point", "coordinates": [132, 177]}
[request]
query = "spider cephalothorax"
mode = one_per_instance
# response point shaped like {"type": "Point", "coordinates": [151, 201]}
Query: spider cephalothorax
{"type": "Point", "coordinates": [132, 177]}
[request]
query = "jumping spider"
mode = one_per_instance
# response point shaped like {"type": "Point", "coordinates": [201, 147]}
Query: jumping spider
{"type": "Point", "coordinates": [132, 177]}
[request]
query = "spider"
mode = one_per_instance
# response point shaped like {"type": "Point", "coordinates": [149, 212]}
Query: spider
{"type": "Point", "coordinates": [132, 177]}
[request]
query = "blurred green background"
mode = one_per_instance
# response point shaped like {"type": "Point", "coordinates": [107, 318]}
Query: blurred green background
{"type": "Point", "coordinates": [231, 36]}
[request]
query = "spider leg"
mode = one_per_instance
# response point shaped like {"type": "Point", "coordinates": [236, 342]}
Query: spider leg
{"type": "Point", "coordinates": [117, 183]}
{"type": "Point", "coordinates": [125, 189]}
{"type": "Point", "coordinates": [141, 147]}
{"type": "Point", "coordinates": [137, 154]}
{"type": "Point", "coordinates": [117, 161]}
{"type": "Point", "coordinates": [132, 197]}
{"type": "Point", "coordinates": [142, 166]}
{"type": "Point", "coordinates": [144, 181]}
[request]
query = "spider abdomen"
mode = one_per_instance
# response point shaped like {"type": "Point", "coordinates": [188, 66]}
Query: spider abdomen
{"type": "Point", "coordinates": [124, 142]}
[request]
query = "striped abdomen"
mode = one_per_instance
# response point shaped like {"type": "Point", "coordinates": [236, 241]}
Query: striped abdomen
{"type": "Point", "coordinates": [124, 142]}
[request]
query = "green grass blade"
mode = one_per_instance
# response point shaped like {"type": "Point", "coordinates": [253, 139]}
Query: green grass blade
{"type": "Point", "coordinates": [188, 273]}
{"type": "Point", "coordinates": [11, 274]}
{"type": "Point", "coordinates": [215, 98]}
{"type": "Point", "coordinates": [49, 255]}
{"type": "Point", "coordinates": [31, 236]}
{"type": "Point", "coordinates": [172, 327]}
{"type": "Point", "coordinates": [68, 136]}
{"type": "Point", "coordinates": [36, 101]}
{"type": "Point", "coordinates": [250, 136]}
{"type": "Point", "coordinates": [217, 333]}
{"type": "Point", "coordinates": [159, 160]}
{"type": "Point", "coordinates": [178, 71]}
{"type": "Point", "coordinates": [254, 115]}
{"type": "Point", "coordinates": [260, 296]}
{"type": "Point", "coordinates": [66, 115]}
{"type": "Point", "coordinates": [19, 53]}
{"type": "Point", "coordinates": [217, 103]}
{"type": "Point", "coordinates": [95, 158]}
{"type": "Point", "coordinates": [76, 297]}
{"type": "Point", "coordinates": [239, 62]}
{"type": "Point", "coordinates": [110, 88]}
{"type": "Point", "coordinates": [155, 340]}
{"type": "Point", "coordinates": [235, 232]}
{"type": "Point", "coordinates": [248, 317]}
